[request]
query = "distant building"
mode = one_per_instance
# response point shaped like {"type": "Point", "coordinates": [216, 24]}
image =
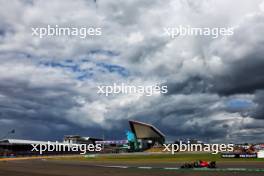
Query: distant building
{"type": "Point", "coordinates": [22, 147]}
{"type": "Point", "coordinates": [76, 139]}
{"type": "Point", "coordinates": [147, 135]}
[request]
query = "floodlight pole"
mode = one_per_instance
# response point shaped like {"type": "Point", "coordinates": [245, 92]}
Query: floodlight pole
{"type": "Point", "coordinates": [7, 134]}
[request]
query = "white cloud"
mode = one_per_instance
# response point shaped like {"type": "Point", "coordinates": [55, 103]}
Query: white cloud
{"type": "Point", "coordinates": [132, 38]}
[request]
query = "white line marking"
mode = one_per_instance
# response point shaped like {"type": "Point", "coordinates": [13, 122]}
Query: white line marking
{"type": "Point", "coordinates": [177, 168]}
{"type": "Point", "coordinates": [236, 169]}
{"type": "Point", "coordinates": [145, 167]}
{"type": "Point", "coordinates": [123, 167]}
{"type": "Point", "coordinates": [171, 168]}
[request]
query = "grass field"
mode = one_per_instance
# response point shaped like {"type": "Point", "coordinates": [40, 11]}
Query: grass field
{"type": "Point", "coordinates": [154, 158]}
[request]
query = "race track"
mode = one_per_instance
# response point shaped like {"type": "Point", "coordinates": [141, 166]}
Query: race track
{"type": "Point", "coordinates": [45, 167]}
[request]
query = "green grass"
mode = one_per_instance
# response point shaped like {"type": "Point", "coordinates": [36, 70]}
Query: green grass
{"type": "Point", "coordinates": [165, 158]}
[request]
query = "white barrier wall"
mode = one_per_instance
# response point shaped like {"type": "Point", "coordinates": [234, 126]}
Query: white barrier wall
{"type": "Point", "coordinates": [261, 154]}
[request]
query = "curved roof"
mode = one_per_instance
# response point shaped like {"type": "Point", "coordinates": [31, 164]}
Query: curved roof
{"type": "Point", "coordinates": [144, 130]}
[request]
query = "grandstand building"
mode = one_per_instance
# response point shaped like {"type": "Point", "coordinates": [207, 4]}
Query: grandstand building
{"type": "Point", "coordinates": [147, 135]}
{"type": "Point", "coordinates": [77, 139]}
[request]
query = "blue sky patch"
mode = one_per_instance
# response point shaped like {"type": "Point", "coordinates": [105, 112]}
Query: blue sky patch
{"type": "Point", "coordinates": [239, 103]}
{"type": "Point", "coordinates": [86, 73]}
{"type": "Point", "coordinates": [114, 69]}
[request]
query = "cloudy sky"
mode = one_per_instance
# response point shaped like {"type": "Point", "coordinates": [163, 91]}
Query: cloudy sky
{"type": "Point", "coordinates": [48, 86]}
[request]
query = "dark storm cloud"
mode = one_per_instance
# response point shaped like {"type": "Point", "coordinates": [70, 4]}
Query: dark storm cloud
{"type": "Point", "coordinates": [258, 112]}
{"type": "Point", "coordinates": [242, 58]}
{"type": "Point", "coordinates": [32, 108]}
{"type": "Point", "coordinates": [243, 76]}
{"type": "Point", "coordinates": [194, 84]}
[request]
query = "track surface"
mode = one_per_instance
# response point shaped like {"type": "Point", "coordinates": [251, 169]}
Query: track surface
{"type": "Point", "coordinates": [43, 167]}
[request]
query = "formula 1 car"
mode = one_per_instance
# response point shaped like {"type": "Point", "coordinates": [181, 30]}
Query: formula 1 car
{"type": "Point", "coordinates": [200, 164]}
